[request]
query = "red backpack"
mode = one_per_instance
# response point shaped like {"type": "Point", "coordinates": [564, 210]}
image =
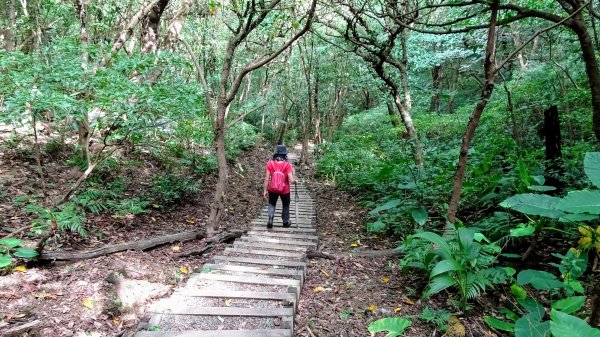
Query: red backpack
{"type": "Point", "coordinates": [278, 182]}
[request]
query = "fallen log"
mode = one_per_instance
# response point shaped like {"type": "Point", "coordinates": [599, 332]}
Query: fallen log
{"type": "Point", "coordinates": [219, 238]}
{"type": "Point", "coordinates": [132, 245]}
{"type": "Point", "coordinates": [22, 329]}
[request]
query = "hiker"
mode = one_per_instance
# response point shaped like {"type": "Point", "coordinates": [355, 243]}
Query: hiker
{"type": "Point", "coordinates": [278, 178]}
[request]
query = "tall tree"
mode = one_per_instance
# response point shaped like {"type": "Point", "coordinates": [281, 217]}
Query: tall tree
{"type": "Point", "coordinates": [246, 18]}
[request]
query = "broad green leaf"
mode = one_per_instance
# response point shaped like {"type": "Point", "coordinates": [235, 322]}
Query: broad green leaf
{"type": "Point", "coordinates": [419, 215]}
{"type": "Point", "coordinates": [437, 284]}
{"type": "Point", "coordinates": [565, 325]}
{"type": "Point", "coordinates": [577, 217]}
{"type": "Point", "coordinates": [522, 230]}
{"type": "Point", "coordinates": [10, 242]}
{"type": "Point", "coordinates": [581, 202]}
{"type": "Point", "coordinates": [27, 253]}
{"type": "Point", "coordinates": [569, 305]}
{"type": "Point", "coordinates": [445, 266]}
{"type": "Point", "coordinates": [395, 326]}
{"type": "Point", "coordinates": [540, 280]}
{"type": "Point", "coordinates": [465, 238]}
{"type": "Point", "coordinates": [540, 188]}
{"type": "Point", "coordinates": [387, 206]}
{"type": "Point", "coordinates": [444, 248]}
{"type": "Point", "coordinates": [591, 165]}
{"type": "Point", "coordinates": [376, 226]}
{"type": "Point", "coordinates": [5, 260]}
{"type": "Point", "coordinates": [534, 204]}
{"type": "Point", "coordinates": [575, 286]}
{"type": "Point", "coordinates": [531, 326]}
{"type": "Point", "coordinates": [518, 291]}
{"type": "Point", "coordinates": [498, 324]}
{"type": "Point", "coordinates": [533, 308]}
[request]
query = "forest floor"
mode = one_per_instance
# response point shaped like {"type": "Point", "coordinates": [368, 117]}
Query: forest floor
{"type": "Point", "coordinates": [84, 298]}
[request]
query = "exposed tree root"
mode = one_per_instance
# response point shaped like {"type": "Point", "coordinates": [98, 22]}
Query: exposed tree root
{"type": "Point", "coordinates": [219, 238]}
{"type": "Point", "coordinates": [132, 245]}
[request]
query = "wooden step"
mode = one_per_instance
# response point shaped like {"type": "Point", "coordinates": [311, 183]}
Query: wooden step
{"type": "Point", "coordinates": [253, 295]}
{"type": "Point", "coordinates": [294, 273]}
{"type": "Point", "coordinates": [284, 235]}
{"type": "Point", "coordinates": [254, 251]}
{"type": "Point", "coordinates": [281, 263]}
{"type": "Point", "coordinates": [249, 279]}
{"type": "Point", "coordinates": [285, 230]}
{"type": "Point", "coordinates": [241, 244]}
{"type": "Point", "coordinates": [220, 333]}
{"type": "Point", "coordinates": [277, 241]}
{"type": "Point", "coordinates": [229, 311]}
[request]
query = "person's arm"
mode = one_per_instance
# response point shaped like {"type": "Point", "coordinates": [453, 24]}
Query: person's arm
{"type": "Point", "coordinates": [291, 175]}
{"type": "Point", "coordinates": [266, 184]}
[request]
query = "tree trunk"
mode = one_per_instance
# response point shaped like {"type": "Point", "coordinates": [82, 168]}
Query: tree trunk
{"type": "Point", "coordinates": [436, 76]}
{"type": "Point", "coordinates": [486, 93]}
{"type": "Point", "coordinates": [591, 68]}
{"type": "Point", "coordinates": [223, 171]}
{"type": "Point", "coordinates": [410, 130]}
{"type": "Point", "coordinates": [452, 85]}
{"type": "Point", "coordinates": [404, 74]}
{"type": "Point", "coordinates": [315, 104]}
{"type": "Point", "coordinates": [9, 36]}
{"type": "Point", "coordinates": [554, 170]}
{"type": "Point", "coordinates": [517, 41]}
{"type": "Point", "coordinates": [150, 26]}
{"type": "Point", "coordinates": [394, 116]}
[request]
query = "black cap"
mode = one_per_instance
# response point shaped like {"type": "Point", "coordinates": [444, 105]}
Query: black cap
{"type": "Point", "coordinates": [281, 149]}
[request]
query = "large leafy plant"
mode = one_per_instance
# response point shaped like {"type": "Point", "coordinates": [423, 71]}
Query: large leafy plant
{"type": "Point", "coordinates": [462, 259]}
{"type": "Point", "coordinates": [577, 206]}
{"type": "Point", "coordinates": [565, 296]}
{"type": "Point", "coordinates": [11, 247]}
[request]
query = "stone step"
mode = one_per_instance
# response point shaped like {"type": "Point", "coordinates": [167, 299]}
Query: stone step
{"type": "Point", "coordinates": [229, 311]}
{"type": "Point", "coordinates": [278, 241]}
{"type": "Point", "coordinates": [249, 279]}
{"type": "Point", "coordinates": [278, 223]}
{"type": "Point", "coordinates": [269, 246]}
{"type": "Point", "coordinates": [284, 235]}
{"type": "Point", "coordinates": [254, 295]}
{"type": "Point", "coordinates": [254, 251]}
{"type": "Point", "coordinates": [220, 333]}
{"type": "Point", "coordinates": [295, 273]}
{"type": "Point", "coordinates": [280, 263]}
{"type": "Point", "coordinates": [285, 230]}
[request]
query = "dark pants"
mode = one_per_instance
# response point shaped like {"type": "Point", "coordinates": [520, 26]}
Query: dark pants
{"type": "Point", "coordinates": [285, 211]}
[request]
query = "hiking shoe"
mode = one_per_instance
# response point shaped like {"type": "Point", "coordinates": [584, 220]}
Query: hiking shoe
{"type": "Point", "coordinates": [287, 224]}
{"type": "Point", "coordinates": [270, 222]}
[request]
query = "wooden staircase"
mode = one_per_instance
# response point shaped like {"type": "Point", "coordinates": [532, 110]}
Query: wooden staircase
{"type": "Point", "coordinates": [252, 289]}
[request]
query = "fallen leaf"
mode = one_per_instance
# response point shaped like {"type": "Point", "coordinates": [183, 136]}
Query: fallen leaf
{"type": "Point", "coordinates": [409, 301]}
{"type": "Point", "coordinates": [398, 309]}
{"type": "Point", "coordinates": [319, 289]}
{"type": "Point", "coordinates": [21, 268]}
{"type": "Point", "coordinates": [190, 221]}
{"type": "Point", "coordinates": [228, 302]}
{"type": "Point", "coordinates": [153, 219]}
{"type": "Point", "coordinates": [372, 307]}
{"type": "Point", "coordinates": [116, 321]}
{"type": "Point", "coordinates": [221, 319]}
{"type": "Point", "coordinates": [385, 279]}
{"type": "Point", "coordinates": [175, 249]}
{"type": "Point", "coordinates": [155, 206]}
{"type": "Point", "coordinates": [325, 273]}
{"type": "Point", "coordinates": [183, 270]}
{"type": "Point", "coordinates": [340, 241]}
{"type": "Point", "coordinates": [354, 244]}
{"type": "Point", "coordinates": [43, 295]}
{"type": "Point", "coordinates": [88, 303]}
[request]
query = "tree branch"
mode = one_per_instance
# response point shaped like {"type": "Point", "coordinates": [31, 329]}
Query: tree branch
{"type": "Point", "coordinates": [240, 117]}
